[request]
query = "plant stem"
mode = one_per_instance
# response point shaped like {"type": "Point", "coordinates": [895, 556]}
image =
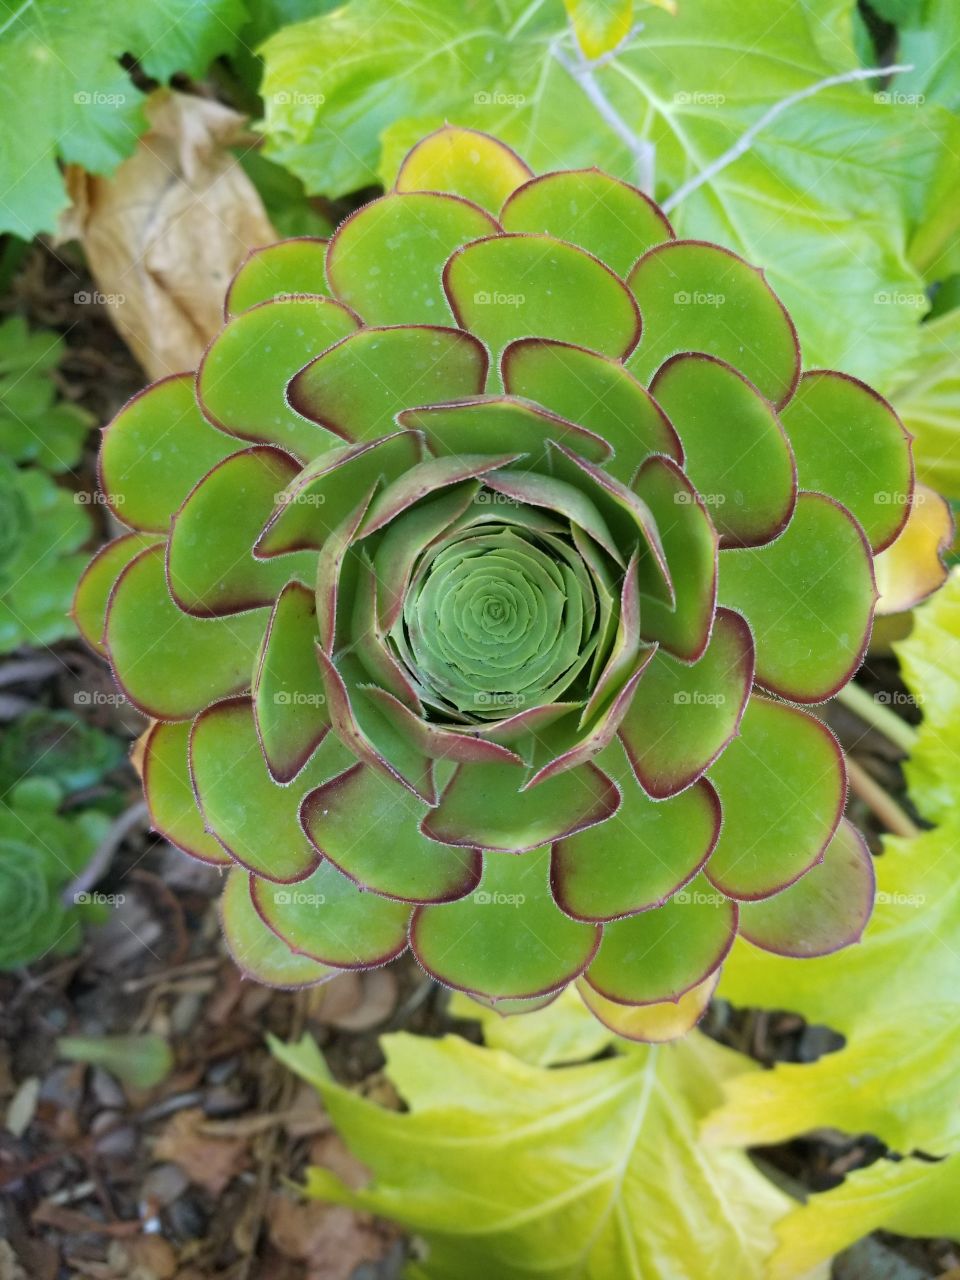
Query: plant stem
{"type": "Point", "coordinates": [875, 798]}
{"type": "Point", "coordinates": [880, 717]}
{"type": "Point", "coordinates": [746, 139]}
{"type": "Point", "coordinates": [582, 70]}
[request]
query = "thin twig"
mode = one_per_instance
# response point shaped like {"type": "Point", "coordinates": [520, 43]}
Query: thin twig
{"type": "Point", "coordinates": [21, 670]}
{"type": "Point", "coordinates": [856, 699]}
{"type": "Point", "coordinates": [582, 70]}
{"type": "Point", "coordinates": [136, 816]}
{"type": "Point", "coordinates": [747, 138]}
{"type": "Point", "coordinates": [879, 802]}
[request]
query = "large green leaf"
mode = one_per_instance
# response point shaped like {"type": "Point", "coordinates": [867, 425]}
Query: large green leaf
{"type": "Point", "coordinates": [927, 397]}
{"type": "Point", "coordinates": [896, 996]}
{"type": "Point", "coordinates": [930, 663]}
{"type": "Point", "coordinates": [910, 1198]}
{"type": "Point", "coordinates": [828, 198]}
{"type": "Point", "coordinates": [66, 97]}
{"type": "Point", "coordinates": [512, 1170]}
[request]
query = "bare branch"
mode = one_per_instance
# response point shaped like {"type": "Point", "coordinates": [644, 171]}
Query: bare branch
{"type": "Point", "coordinates": [746, 140]}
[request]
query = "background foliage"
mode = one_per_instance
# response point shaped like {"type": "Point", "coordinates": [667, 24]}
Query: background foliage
{"type": "Point", "coordinates": [762, 126]}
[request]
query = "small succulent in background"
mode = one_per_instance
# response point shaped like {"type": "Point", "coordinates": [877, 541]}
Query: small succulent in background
{"type": "Point", "coordinates": [35, 425]}
{"type": "Point", "coordinates": [41, 525]}
{"type": "Point", "coordinates": [475, 587]}
{"type": "Point", "coordinates": [41, 853]}
{"type": "Point", "coordinates": [57, 745]}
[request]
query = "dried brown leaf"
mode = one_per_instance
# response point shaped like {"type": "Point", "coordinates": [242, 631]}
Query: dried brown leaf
{"type": "Point", "coordinates": [166, 232]}
{"type": "Point", "coordinates": [207, 1161]}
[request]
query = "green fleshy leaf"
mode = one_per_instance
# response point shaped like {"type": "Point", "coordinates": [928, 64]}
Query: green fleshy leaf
{"type": "Point", "coordinates": [328, 918]}
{"type": "Point", "coordinates": [500, 424]}
{"type": "Point", "coordinates": [701, 297]}
{"type": "Point", "coordinates": [155, 450]}
{"type": "Point", "coordinates": [651, 1023]}
{"type": "Point", "coordinates": [403, 541]}
{"type": "Point", "coordinates": [596, 392]}
{"type": "Point", "coordinates": [289, 268]}
{"type": "Point", "coordinates": [689, 542]}
{"type": "Point", "coordinates": [826, 909]}
{"type": "Point", "coordinates": [782, 789]}
{"type": "Point", "coordinates": [425, 479]}
{"type": "Point", "coordinates": [808, 597]}
{"type": "Point", "coordinates": [507, 287]}
{"type": "Point", "coordinates": [169, 793]}
{"type": "Point", "coordinates": [469, 164]}
{"type": "Point", "coordinates": [659, 954]}
{"type": "Point", "coordinates": [325, 494]}
{"type": "Point", "coordinates": [247, 398]}
{"type": "Point", "coordinates": [744, 472]}
{"type": "Point", "coordinates": [141, 1061]}
{"type": "Point", "coordinates": [386, 260]}
{"type": "Point", "coordinates": [556, 1029]}
{"type": "Point", "coordinates": [610, 219]}
{"type": "Point", "coordinates": [257, 821]}
{"type": "Point", "coordinates": [96, 583]}
{"type": "Point", "coordinates": [683, 715]}
{"type": "Point", "coordinates": [639, 857]}
{"type": "Point", "coordinates": [346, 819]}
{"type": "Point", "coordinates": [851, 446]}
{"type": "Point", "coordinates": [370, 735]}
{"type": "Point", "coordinates": [633, 1120]}
{"type": "Point", "coordinates": [168, 664]}
{"type": "Point", "coordinates": [521, 944]}
{"type": "Point", "coordinates": [256, 950]}
{"type": "Point", "coordinates": [289, 703]}
{"type": "Point", "coordinates": [357, 387]}
{"type": "Point", "coordinates": [211, 568]}
{"type": "Point", "coordinates": [482, 807]}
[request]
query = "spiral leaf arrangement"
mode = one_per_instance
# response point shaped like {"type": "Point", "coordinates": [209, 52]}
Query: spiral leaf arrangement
{"type": "Point", "coordinates": [473, 588]}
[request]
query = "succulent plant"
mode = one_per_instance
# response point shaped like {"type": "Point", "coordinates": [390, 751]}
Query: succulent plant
{"type": "Point", "coordinates": [40, 852]}
{"type": "Point", "coordinates": [476, 584]}
{"type": "Point", "coordinates": [41, 528]}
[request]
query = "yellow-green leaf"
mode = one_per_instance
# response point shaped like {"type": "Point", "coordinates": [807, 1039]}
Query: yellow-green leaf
{"type": "Point", "coordinates": [910, 1198]}
{"type": "Point", "coordinates": [590, 1172]}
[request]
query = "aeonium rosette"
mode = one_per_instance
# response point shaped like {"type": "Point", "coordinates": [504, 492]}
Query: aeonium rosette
{"type": "Point", "coordinates": [473, 588]}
